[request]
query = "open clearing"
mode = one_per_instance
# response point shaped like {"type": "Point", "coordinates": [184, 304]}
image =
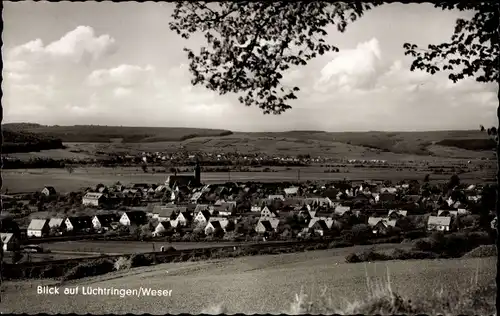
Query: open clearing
{"type": "Point", "coordinates": [30, 180]}
{"type": "Point", "coordinates": [260, 284]}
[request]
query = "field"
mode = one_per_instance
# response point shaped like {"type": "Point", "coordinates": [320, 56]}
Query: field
{"type": "Point", "coordinates": [29, 180]}
{"type": "Point", "coordinates": [260, 284]}
{"type": "Point", "coordinates": [126, 247]}
{"type": "Point", "coordinates": [353, 145]}
{"type": "Point", "coordinates": [39, 257]}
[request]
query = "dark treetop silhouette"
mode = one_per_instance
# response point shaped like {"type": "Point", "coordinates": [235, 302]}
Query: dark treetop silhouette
{"type": "Point", "coordinates": [250, 44]}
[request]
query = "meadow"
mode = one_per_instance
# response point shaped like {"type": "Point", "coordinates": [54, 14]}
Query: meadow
{"type": "Point", "coordinates": [127, 247]}
{"type": "Point", "coordinates": [30, 180]}
{"type": "Point", "coordinates": [259, 284]}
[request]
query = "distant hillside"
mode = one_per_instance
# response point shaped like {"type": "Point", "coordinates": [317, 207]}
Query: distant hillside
{"type": "Point", "coordinates": [469, 144]}
{"type": "Point", "coordinates": [23, 142]}
{"type": "Point", "coordinates": [105, 134]}
{"type": "Point", "coordinates": [417, 143]}
{"type": "Point", "coordinates": [452, 144]}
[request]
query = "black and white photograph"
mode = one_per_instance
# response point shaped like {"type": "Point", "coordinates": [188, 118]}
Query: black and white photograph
{"type": "Point", "coordinates": [251, 157]}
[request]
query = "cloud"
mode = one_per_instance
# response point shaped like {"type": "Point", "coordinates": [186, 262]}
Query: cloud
{"type": "Point", "coordinates": [79, 45]}
{"type": "Point", "coordinates": [352, 69]}
{"type": "Point", "coordinates": [123, 75]}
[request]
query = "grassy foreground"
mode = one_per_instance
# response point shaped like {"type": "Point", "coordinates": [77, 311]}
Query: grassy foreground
{"type": "Point", "coordinates": [475, 299]}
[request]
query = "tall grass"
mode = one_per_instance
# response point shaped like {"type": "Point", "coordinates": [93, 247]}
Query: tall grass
{"type": "Point", "coordinates": [472, 299]}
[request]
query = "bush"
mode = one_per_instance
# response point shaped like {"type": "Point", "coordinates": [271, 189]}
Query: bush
{"type": "Point", "coordinates": [371, 255]}
{"type": "Point", "coordinates": [401, 254]}
{"type": "Point", "coordinates": [92, 268]}
{"type": "Point", "coordinates": [482, 251]}
{"type": "Point", "coordinates": [340, 244]}
{"type": "Point", "coordinates": [352, 258]}
{"type": "Point", "coordinates": [453, 245]}
{"type": "Point", "coordinates": [141, 260]}
{"type": "Point", "coordinates": [122, 263]}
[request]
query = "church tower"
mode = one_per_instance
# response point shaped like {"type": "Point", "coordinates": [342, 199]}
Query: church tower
{"type": "Point", "coordinates": [197, 173]}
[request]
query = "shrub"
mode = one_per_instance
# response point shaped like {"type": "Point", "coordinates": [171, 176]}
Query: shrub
{"type": "Point", "coordinates": [92, 268]}
{"type": "Point", "coordinates": [141, 260]}
{"type": "Point", "coordinates": [371, 255]}
{"type": "Point", "coordinates": [352, 258]}
{"type": "Point", "coordinates": [482, 251]}
{"type": "Point", "coordinates": [122, 263]}
{"type": "Point", "coordinates": [340, 244]}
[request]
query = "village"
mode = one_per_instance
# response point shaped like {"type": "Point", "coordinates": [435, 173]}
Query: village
{"type": "Point", "coordinates": [183, 209]}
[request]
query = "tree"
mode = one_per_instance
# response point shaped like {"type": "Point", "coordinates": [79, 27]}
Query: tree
{"type": "Point", "coordinates": [474, 51]}
{"type": "Point", "coordinates": [69, 169]}
{"type": "Point", "coordinates": [231, 226]}
{"type": "Point", "coordinates": [249, 45]}
{"type": "Point", "coordinates": [361, 232]}
{"type": "Point", "coordinates": [454, 182]}
{"type": "Point", "coordinates": [16, 257]}
{"type": "Point", "coordinates": [426, 179]}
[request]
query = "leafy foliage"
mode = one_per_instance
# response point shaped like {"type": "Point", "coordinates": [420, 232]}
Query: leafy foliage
{"type": "Point", "coordinates": [250, 44]}
{"type": "Point", "coordinates": [474, 47]}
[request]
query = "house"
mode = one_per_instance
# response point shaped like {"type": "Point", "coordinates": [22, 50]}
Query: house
{"type": "Point", "coordinates": [57, 223]}
{"type": "Point", "coordinates": [273, 197]}
{"type": "Point", "coordinates": [202, 207]}
{"type": "Point", "coordinates": [8, 225]}
{"type": "Point", "coordinates": [164, 212]}
{"type": "Point", "coordinates": [291, 191]}
{"type": "Point", "coordinates": [78, 223]}
{"type": "Point", "coordinates": [439, 223]}
{"type": "Point", "coordinates": [383, 226]}
{"type": "Point", "coordinates": [340, 210]}
{"type": "Point", "coordinates": [255, 209]}
{"type": "Point", "coordinates": [103, 189]}
{"type": "Point", "coordinates": [49, 191]}
{"type": "Point", "coordinates": [447, 213]}
{"type": "Point", "coordinates": [212, 226]}
{"type": "Point", "coordinates": [221, 210]}
{"type": "Point", "coordinates": [202, 217]}
{"type": "Point", "coordinates": [196, 196]}
{"type": "Point", "coordinates": [134, 218]}
{"type": "Point", "coordinates": [93, 199]}
{"type": "Point", "coordinates": [9, 242]}
{"type": "Point", "coordinates": [327, 220]}
{"type": "Point", "coordinates": [103, 221]}
{"type": "Point", "coordinates": [319, 228]}
{"type": "Point", "coordinates": [390, 190]}
{"type": "Point", "coordinates": [160, 189]}
{"type": "Point", "coordinates": [396, 214]}
{"type": "Point", "coordinates": [38, 228]}
{"type": "Point", "coordinates": [185, 180]}
{"type": "Point", "coordinates": [267, 213]}
{"type": "Point", "coordinates": [362, 198]}
{"type": "Point", "coordinates": [219, 219]}
{"type": "Point", "coordinates": [267, 226]}
{"type": "Point", "coordinates": [386, 197]}
{"type": "Point", "coordinates": [183, 219]}
{"type": "Point", "coordinates": [161, 228]}
{"type": "Point", "coordinates": [372, 221]}
{"type": "Point", "coordinates": [474, 198]}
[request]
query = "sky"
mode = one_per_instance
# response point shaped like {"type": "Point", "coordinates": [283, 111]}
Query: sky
{"type": "Point", "coordinates": [119, 64]}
